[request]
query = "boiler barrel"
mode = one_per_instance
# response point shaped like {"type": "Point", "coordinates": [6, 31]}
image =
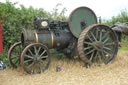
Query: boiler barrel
{"type": "Point", "coordinates": [50, 38]}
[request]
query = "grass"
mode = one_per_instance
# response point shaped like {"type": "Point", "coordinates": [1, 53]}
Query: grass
{"type": "Point", "coordinates": [124, 45]}
{"type": "Point", "coordinates": [74, 73]}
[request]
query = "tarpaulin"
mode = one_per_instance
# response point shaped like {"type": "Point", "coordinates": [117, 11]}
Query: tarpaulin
{"type": "Point", "coordinates": [120, 27]}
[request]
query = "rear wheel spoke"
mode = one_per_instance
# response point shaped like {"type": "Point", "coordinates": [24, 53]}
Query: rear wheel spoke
{"type": "Point", "coordinates": [100, 58]}
{"type": "Point", "coordinates": [103, 55]}
{"type": "Point", "coordinates": [106, 40]}
{"type": "Point", "coordinates": [95, 56]}
{"type": "Point", "coordinates": [87, 48]}
{"type": "Point", "coordinates": [107, 48]}
{"type": "Point", "coordinates": [107, 53]}
{"type": "Point", "coordinates": [97, 33]}
{"type": "Point", "coordinates": [88, 43]}
{"type": "Point", "coordinates": [93, 36]}
{"type": "Point", "coordinates": [90, 52]}
{"type": "Point", "coordinates": [89, 38]}
{"type": "Point", "coordinates": [110, 44]}
{"type": "Point", "coordinates": [92, 55]}
{"type": "Point", "coordinates": [105, 35]}
{"type": "Point", "coordinates": [101, 35]}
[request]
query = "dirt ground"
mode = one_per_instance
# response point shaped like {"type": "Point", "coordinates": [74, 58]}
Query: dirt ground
{"type": "Point", "coordinates": [115, 73]}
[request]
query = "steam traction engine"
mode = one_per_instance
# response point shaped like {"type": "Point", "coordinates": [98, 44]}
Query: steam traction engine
{"type": "Point", "coordinates": [79, 36]}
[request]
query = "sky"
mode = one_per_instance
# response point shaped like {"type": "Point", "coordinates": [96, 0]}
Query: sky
{"type": "Point", "coordinates": [104, 8]}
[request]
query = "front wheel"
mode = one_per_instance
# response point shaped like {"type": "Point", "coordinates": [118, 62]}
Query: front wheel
{"type": "Point", "coordinates": [35, 58]}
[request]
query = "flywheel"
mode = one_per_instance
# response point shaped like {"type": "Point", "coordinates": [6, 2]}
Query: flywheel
{"type": "Point", "coordinates": [81, 18]}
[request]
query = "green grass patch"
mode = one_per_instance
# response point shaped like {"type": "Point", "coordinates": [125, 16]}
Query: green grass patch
{"type": "Point", "coordinates": [124, 45]}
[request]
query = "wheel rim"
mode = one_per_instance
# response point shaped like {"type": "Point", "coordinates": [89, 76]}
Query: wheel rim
{"type": "Point", "coordinates": [14, 54]}
{"type": "Point", "coordinates": [35, 58]}
{"type": "Point", "coordinates": [98, 43]}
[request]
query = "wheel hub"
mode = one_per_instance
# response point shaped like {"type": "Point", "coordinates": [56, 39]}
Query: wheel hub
{"type": "Point", "coordinates": [98, 45]}
{"type": "Point", "coordinates": [36, 58]}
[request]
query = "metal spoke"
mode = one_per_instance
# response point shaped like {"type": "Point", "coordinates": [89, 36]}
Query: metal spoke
{"type": "Point", "coordinates": [97, 33]}
{"type": "Point", "coordinates": [30, 65]}
{"type": "Point", "coordinates": [106, 40]}
{"type": "Point", "coordinates": [44, 61]}
{"type": "Point", "coordinates": [87, 43]}
{"type": "Point", "coordinates": [95, 56]}
{"type": "Point", "coordinates": [38, 50]}
{"type": "Point", "coordinates": [87, 48]}
{"type": "Point", "coordinates": [30, 52]}
{"type": "Point", "coordinates": [32, 69]}
{"type": "Point", "coordinates": [107, 48]}
{"type": "Point", "coordinates": [14, 57]}
{"type": "Point", "coordinates": [93, 36]}
{"type": "Point", "coordinates": [43, 53]}
{"type": "Point", "coordinates": [102, 54]}
{"type": "Point", "coordinates": [101, 35]}
{"type": "Point", "coordinates": [100, 59]}
{"type": "Point", "coordinates": [35, 50]}
{"type": "Point", "coordinates": [16, 61]}
{"type": "Point", "coordinates": [105, 35]}
{"type": "Point", "coordinates": [89, 38]}
{"type": "Point", "coordinates": [107, 53]}
{"type": "Point", "coordinates": [25, 61]}
{"type": "Point", "coordinates": [37, 68]}
{"type": "Point", "coordinates": [112, 43]}
{"type": "Point", "coordinates": [92, 55]}
{"type": "Point", "coordinates": [29, 56]}
{"type": "Point", "coordinates": [44, 57]}
{"type": "Point", "coordinates": [90, 52]}
{"type": "Point", "coordinates": [40, 67]}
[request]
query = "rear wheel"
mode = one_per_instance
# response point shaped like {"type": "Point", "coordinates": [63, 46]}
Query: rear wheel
{"type": "Point", "coordinates": [97, 44]}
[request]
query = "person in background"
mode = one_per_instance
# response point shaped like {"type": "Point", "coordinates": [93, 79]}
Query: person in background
{"type": "Point", "coordinates": [1, 64]}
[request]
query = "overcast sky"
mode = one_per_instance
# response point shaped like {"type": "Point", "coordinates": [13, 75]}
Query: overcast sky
{"type": "Point", "coordinates": [104, 8]}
